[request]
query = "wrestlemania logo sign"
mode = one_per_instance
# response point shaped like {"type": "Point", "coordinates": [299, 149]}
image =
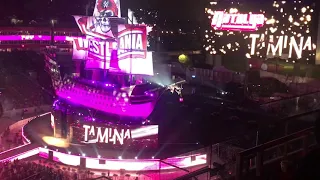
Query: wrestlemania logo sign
{"type": "Point", "coordinates": [236, 22]}
{"type": "Point", "coordinates": [108, 42]}
{"type": "Point", "coordinates": [99, 24]}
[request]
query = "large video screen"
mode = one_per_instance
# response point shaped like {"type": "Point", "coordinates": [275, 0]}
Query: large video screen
{"type": "Point", "coordinates": [262, 30]}
{"type": "Point", "coordinates": [115, 136]}
{"type": "Point", "coordinates": [111, 44]}
{"type": "Point", "coordinates": [124, 51]}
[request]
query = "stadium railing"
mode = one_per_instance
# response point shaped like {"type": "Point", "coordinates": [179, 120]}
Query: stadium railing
{"type": "Point", "coordinates": [252, 162]}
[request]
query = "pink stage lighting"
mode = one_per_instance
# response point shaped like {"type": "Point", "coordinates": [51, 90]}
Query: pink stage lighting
{"type": "Point", "coordinates": [237, 22]}
{"type": "Point", "coordinates": [24, 38]}
{"type": "Point", "coordinates": [126, 53]}
{"type": "Point", "coordinates": [127, 164]}
{"type": "Point", "coordinates": [22, 155]}
{"type": "Point", "coordinates": [105, 103]}
{"type": "Point", "coordinates": [36, 38]}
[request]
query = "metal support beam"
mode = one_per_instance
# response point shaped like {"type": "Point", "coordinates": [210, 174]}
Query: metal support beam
{"type": "Point", "coordinates": [161, 161]}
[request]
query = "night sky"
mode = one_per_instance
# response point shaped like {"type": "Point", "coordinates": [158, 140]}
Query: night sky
{"type": "Point", "coordinates": [28, 10]}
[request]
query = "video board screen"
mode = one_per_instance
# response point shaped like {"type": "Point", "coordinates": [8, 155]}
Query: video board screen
{"type": "Point", "coordinates": [114, 136]}
{"type": "Point", "coordinates": [262, 30]}
{"type": "Point", "coordinates": [126, 53]}
{"type": "Point", "coordinates": [111, 44]}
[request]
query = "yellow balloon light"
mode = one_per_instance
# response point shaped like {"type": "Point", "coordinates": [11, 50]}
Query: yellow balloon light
{"type": "Point", "coordinates": [183, 58]}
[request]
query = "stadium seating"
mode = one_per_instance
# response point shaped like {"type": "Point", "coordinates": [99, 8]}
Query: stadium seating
{"type": "Point", "coordinates": [24, 82]}
{"type": "Point", "coordinates": [18, 170]}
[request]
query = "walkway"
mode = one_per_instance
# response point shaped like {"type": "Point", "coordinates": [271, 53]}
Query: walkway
{"type": "Point", "coordinates": [12, 143]}
{"type": "Point", "coordinates": [12, 153]}
{"type": "Point", "coordinates": [12, 138]}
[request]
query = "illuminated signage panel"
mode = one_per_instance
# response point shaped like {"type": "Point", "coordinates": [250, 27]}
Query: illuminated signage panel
{"type": "Point", "coordinates": [112, 45]}
{"type": "Point", "coordinates": [108, 8]}
{"type": "Point", "coordinates": [127, 53]}
{"type": "Point", "coordinates": [273, 30]}
{"type": "Point", "coordinates": [280, 46]}
{"type": "Point", "coordinates": [98, 27]}
{"type": "Point", "coordinates": [132, 41]}
{"type": "Point", "coordinates": [115, 135]}
{"type": "Point", "coordinates": [105, 135]}
{"type": "Point", "coordinates": [236, 22]}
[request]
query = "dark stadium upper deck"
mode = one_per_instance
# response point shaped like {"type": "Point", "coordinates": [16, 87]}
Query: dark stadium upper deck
{"type": "Point", "coordinates": [36, 38]}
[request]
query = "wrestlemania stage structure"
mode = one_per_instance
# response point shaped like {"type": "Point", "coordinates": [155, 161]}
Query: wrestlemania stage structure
{"type": "Point", "coordinates": [109, 111]}
{"type": "Point", "coordinates": [115, 53]}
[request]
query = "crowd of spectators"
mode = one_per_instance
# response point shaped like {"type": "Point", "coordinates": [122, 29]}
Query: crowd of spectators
{"type": "Point", "coordinates": [23, 81]}
{"type": "Point", "coordinates": [10, 139]}
{"type": "Point", "coordinates": [47, 170]}
{"type": "Point", "coordinates": [18, 170]}
{"type": "Point", "coordinates": [22, 93]}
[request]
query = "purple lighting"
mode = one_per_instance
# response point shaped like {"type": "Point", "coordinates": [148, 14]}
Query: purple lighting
{"type": "Point", "coordinates": [64, 38]}
{"type": "Point", "coordinates": [114, 164]}
{"type": "Point", "coordinates": [116, 102]}
{"type": "Point", "coordinates": [149, 94]}
{"type": "Point", "coordinates": [24, 37]}
{"type": "Point", "coordinates": [106, 103]}
{"type": "Point", "coordinates": [35, 38]}
{"type": "Point", "coordinates": [128, 164]}
{"type": "Point", "coordinates": [109, 85]}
